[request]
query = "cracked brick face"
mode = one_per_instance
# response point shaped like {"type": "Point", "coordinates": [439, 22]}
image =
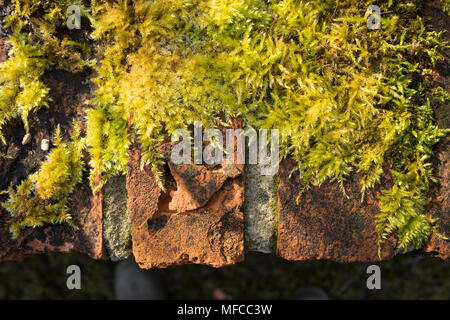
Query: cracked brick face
{"type": "Point", "coordinates": [199, 221]}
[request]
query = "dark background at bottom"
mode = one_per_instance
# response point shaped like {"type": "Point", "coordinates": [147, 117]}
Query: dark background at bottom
{"type": "Point", "coordinates": [258, 277]}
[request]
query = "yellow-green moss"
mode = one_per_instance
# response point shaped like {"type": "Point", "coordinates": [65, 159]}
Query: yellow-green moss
{"type": "Point", "coordinates": [36, 46]}
{"type": "Point", "coordinates": [344, 98]}
{"type": "Point", "coordinates": [21, 88]}
{"type": "Point", "coordinates": [42, 197]}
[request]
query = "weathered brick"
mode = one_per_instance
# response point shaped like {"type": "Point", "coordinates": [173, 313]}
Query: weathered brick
{"type": "Point", "coordinates": [86, 210]}
{"type": "Point", "coordinates": [325, 224]}
{"type": "Point", "coordinates": [193, 229]}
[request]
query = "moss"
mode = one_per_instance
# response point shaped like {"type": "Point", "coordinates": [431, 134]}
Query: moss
{"type": "Point", "coordinates": [446, 5]}
{"type": "Point", "coordinates": [21, 90]}
{"type": "Point", "coordinates": [63, 168]}
{"type": "Point", "coordinates": [37, 46]}
{"type": "Point", "coordinates": [4, 156]}
{"type": "Point", "coordinates": [42, 197]}
{"type": "Point", "coordinates": [344, 98]}
{"type": "Point", "coordinates": [44, 20]}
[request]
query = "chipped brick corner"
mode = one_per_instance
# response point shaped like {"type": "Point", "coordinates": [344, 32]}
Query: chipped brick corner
{"type": "Point", "coordinates": [200, 221]}
{"type": "Point", "coordinates": [86, 210]}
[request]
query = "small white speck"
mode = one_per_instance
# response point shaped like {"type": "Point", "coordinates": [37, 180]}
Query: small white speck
{"type": "Point", "coordinates": [45, 144]}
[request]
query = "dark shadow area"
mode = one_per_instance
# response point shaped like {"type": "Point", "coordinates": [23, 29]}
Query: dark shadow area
{"type": "Point", "coordinates": [258, 277]}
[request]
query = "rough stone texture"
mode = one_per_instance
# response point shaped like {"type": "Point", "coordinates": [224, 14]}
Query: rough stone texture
{"type": "Point", "coordinates": [197, 184]}
{"type": "Point", "coordinates": [116, 221]}
{"type": "Point", "coordinates": [325, 224]}
{"type": "Point", "coordinates": [86, 211]}
{"type": "Point", "coordinates": [3, 52]}
{"type": "Point", "coordinates": [440, 20]}
{"type": "Point", "coordinates": [68, 93]}
{"type": "Point", "coordinates": [143, 191]}
{"type": "Point", "coordinates": [440, 207]}
{"type": "Point", "coordinates": [259, 210]}
{"type": "Point", "coordinates": [212, 234]}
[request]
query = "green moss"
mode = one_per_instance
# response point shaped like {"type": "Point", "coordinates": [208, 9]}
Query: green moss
{"type": "Point", "coordinates": [42, 197]}
{"type": "Point", "coordinates": [344, 98]}
{"type": "Point", "coordinates": [446, 6]}
{"type": "Point", "coordinates": [36, 47]}
{"type": "Point", "coordinates": [21, 90]}
{"type": "Point", "coordinates": [44, 19]}
{"type": "Point", "coordinates": [63, 168]}
{"type": "Point", "coordinates": [4, 156]}
{"type": "Point", "coordinates": [108, 141]}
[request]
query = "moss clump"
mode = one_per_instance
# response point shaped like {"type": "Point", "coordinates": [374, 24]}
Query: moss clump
{"type": "Point", "coordinates": [344, 98]}
{"type": "Point", "coordinates": [4, 156]}
{"type": "Point", "coordinates": [108, 141]}
{"type": "Point", "coordinates": [37, 45]}
{"type": "Point", "coordinates": [21, 90]}
{"type": "Point", "coordinates": [42, 197]}
{"type": "Point", "coordinates": [446, 6]}
{"type": "Point", "coordinates": [47, 20]}
{"type": "Point", "coordinates": [63, 168]}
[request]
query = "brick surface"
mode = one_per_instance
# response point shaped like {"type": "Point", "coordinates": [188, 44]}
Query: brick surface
{"type": "Point", "coordinates": [86, 211]}
{"type": "Point", "coordinates": [181, 225]}
{"type": "Point", "coordinates": [325, 224]}
{"type": "Point", "coordinates": [440, 207]}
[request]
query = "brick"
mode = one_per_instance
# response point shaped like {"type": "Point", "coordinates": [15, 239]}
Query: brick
{"type": "Point", "coordinates": [193, 229]}
{"type": "Point", "coordinates": [86, 211]}
{"type": "Point", "coordinates": [325, 224]}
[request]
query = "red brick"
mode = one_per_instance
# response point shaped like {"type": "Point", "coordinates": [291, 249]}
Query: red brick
{"type": "Point", "coordinates": [325, 224]}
